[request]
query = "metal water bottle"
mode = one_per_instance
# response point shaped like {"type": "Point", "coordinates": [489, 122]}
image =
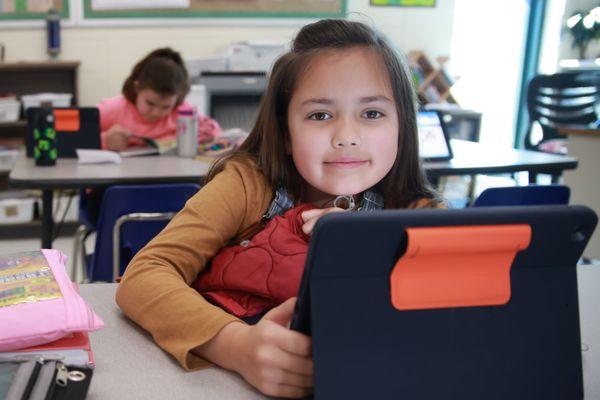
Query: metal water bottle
{"type": "Point", "coordinates": [53, 32]}
{"type": "Point", "coordinates": [44, 138]}
{"type": "Point", "coordinates": [187, 132]}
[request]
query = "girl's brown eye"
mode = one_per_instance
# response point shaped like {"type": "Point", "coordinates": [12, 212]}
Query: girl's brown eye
{"type": "Point", "coordinates": [373, 114]}
{"type": "Point", "coordinates": [319, 116]}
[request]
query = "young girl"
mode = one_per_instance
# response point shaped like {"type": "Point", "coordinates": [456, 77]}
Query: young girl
{"type": "Point", "coordinates": [337, 118]}
{"type": "Point", "coordinates": [152, 93]}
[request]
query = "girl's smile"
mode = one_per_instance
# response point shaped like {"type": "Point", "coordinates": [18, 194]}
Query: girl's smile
{"type": "Point", "coordinates": [346, 162]}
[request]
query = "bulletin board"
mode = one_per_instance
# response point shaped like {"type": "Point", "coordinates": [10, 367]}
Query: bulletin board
{"type": "Point", "coordinates": [97, 9]}
{"type": "Point", "coordinates": [404, 3]}
{"type": "Point", "coordinates": [31, 9]}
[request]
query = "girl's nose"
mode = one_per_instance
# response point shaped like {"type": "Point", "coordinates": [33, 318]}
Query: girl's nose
{"type": "Point", "coordinates": [346, 136]}
{"type": "Point", "coordinates": [345, 143]}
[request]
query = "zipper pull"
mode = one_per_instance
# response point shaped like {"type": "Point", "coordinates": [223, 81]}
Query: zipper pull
{"type": "Point", "coordinates": [62, 374]}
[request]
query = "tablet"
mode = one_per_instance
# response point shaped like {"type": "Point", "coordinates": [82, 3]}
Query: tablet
{"type": "Point", "coordinates": [434, 143]}
{"type": "Point", "coordinates": [76, 128]}
{"type": "Point", "coordinates": [525, 346]}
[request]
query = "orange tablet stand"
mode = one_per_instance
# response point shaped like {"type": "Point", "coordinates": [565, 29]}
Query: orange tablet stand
{"type": "Point", "coordinates": [67, 120]}
{"type": "Point", "coordinates": [459, 266]}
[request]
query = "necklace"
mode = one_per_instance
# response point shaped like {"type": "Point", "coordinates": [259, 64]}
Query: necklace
{"type": "Point", "coordinates": [344, 201]}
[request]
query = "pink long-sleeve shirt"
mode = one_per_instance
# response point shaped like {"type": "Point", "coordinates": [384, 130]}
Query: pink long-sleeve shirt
{"type": "Point", "coordinates": [120, 111]}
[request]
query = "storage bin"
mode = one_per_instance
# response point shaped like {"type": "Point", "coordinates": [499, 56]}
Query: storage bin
{"type": "Point", "coordinates": [54, 99]}
{"type": "Point", "coordinates": [61, 202]}
{"type": "Point", "coordinates": [9, 109]}
{"type": "Point", "coordinates": [16, 211]}
{"type": "Point", "coordinates": [8, 159]}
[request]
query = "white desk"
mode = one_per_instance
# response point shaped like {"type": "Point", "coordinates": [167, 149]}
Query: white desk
{"type": "Point", "coordinates": [130, 366]}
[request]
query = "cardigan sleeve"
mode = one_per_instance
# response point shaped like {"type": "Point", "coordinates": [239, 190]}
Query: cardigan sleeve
{"type": "Point", "coordinates": [155, 291]}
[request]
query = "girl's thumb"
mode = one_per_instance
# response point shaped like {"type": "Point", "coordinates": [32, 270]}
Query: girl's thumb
{"type": "Point", "coordinates": [282, 314]}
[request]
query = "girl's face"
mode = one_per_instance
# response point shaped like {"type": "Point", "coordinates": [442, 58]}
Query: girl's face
{"type": "Point", "coordinates": [343, 124]}
{"type": "Point", "coordinates": [153, 106]}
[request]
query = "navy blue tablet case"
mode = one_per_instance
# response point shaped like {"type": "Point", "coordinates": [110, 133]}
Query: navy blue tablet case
{"type": "Point", "coordinates": [87, 137]}
{"type": "Point", "coordinates": [364, 348]}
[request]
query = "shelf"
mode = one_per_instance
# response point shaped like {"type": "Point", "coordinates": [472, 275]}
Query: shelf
{"type": "Point", "coordinates": [37, 77]}
{"type": "Point", "coordinates": [14, 124]}
{"type": "Point", "coordinates": [39, 66]}
{"type": "Point", "coordinates": [27, 78]}
{"type": "Point", "coordinates": [21, 78]}
{"type": "Point", "coordinates": [13, 133]}
{"type": "Point", "coordinates": [433, 84]}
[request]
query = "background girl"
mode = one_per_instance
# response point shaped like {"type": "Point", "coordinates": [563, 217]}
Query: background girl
{"type": "Point", "coordinates": [337, 118]}
{"type": "Point", "coordinates": [152, 93]}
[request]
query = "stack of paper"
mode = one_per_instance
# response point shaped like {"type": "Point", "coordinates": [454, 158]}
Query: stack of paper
{"type": "Point", "coordinates": [90, 156]}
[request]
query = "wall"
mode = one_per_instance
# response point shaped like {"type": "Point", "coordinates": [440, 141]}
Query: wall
{"type": "Point", "coordinates": [107, 54]}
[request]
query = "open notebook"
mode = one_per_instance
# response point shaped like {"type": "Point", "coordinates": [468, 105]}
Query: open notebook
{"type": "Point", "coordinates": [151, 147]}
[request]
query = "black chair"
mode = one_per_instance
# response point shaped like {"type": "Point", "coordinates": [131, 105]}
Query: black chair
{"type": "Point", "coordinates": [566, 98]}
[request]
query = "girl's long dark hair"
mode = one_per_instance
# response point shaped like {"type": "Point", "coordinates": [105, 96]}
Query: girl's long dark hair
{"type": "Point", "coordinates": [163, 71]}
{"type": "Point", "coordinates": [404, 184]}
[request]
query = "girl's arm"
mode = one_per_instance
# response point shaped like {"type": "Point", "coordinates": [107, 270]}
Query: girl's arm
{"type": "Point", "coordinates": [208, 129]}
{"type": "Point", "coordinates": [112, 135]}
{"type": "Point", "coordinates": [116, 138]}
{"type": "Point", "coordinates": [155, 291]}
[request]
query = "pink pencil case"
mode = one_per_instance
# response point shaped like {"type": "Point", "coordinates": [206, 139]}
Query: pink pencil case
{"type": "Point", "coordinates": [38, 302]}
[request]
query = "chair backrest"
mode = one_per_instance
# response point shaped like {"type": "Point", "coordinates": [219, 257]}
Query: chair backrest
{"type": "Point", "coordinates": [531, 195]}
{"type": "Point", "coordinates": [84, 216]}
{"type": "Point", "coordinates": [127, 199]}
{"type": "Point", "coordinates": [564, 98]}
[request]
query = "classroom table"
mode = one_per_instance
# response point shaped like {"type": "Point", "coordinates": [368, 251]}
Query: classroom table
{"type": "Point", "coordinates": [469, 158]}
{"type": "Point", "coordinates": [477, 158]}
{"type": "Point", "coordinates": [130, 366]}
{"type": "Point", "coordinates": [68, 174]}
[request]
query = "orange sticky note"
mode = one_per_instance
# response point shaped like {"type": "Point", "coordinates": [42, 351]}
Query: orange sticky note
{"type": "Point", "coordinates": [67, 120]}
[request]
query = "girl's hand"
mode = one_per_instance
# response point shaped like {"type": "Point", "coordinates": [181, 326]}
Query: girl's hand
{"type": "Point", "coordinates": [117, 138]}
{"type": "Point", "coordinates": [311, 217]}
{"type": "Point", "coordinates": [277, 360]}
{"type": "Point", "coordinates": [271, 357]}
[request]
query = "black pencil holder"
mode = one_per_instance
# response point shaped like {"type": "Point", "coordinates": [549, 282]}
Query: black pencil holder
{"type": "Point", "coordinates": [45, 152]}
